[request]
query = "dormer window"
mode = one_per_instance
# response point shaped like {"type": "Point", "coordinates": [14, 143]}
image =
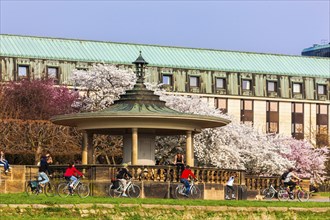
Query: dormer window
{"type": "Point", "coordinates": [194, 81]}
{"type": "Point", "coordinates": [246, 84]}
{"type": "Point", "coordinates": [271, 86]}
{"type": "Point", "coordinates": [23, 72]}
{"type": "Point", "coordinates": [297, 88]}
{"type": "Point", "coordinates": [321, 89]}
{"type": "Point", "coordinates": [220, 83]}
{"type": "Point", "coordinates": [167, 80]}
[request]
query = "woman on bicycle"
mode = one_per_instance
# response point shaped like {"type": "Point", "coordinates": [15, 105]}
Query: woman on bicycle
{"type": "Point", "coordinates": [184, 178]}
{"type": "Point", "coordinates": [70, 173]}
{"type": "Point", "coordinates": [122, 175]}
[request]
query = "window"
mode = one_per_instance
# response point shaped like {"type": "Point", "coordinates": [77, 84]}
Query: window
{"type": "Point", "coordinates": [297, 120]}
{"type": "Point", "coordinates": [297, 88]}
{"type": "Point", "coordinates": [321, 89]}
{"type": "Point", "coordinates": [247, 111]}
{"type": "Point", "coordinates": [167, 80]}
{"type": "Point", "coordinates": [272, 119]}
{"type": "Point", "coordinates": [220, 83]}
{"type": "Point", "coordinates": [193, 81]}
{"type": "Point", "coordinates": [221, 104]}
{"type": "Point", "coordinates": [246, 84]}
{"type": "Point", "coordinates": [271, 86]}
{"type": "Point", "coordinates": [52, 73]}
{"type": "Point", "coordinates": [23, 72]}
{"type": "Point", "coordinates": [322, 129]}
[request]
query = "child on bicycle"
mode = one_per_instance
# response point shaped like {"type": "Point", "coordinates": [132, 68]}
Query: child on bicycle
{"type": "Point", "coordinates": [70, 174]}
{"type": "Point", "coordinates": [289, 181]}
{"type": "Point", "coordinates": [122, 175]}
{"type": "Point", "coordinates": [186, 173]}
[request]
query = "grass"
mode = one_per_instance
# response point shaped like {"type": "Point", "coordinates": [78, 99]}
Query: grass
{"type": "Point", "coordinates": [322, 194]}
{"type": "Point", "coordinates": [22, 198]}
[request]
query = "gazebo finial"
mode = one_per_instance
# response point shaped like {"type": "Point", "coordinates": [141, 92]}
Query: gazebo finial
{"type": "Point", "coordinates": [139, 66]}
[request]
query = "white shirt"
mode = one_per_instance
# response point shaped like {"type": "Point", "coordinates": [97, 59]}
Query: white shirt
{"type": "Point", "coordinates": [230, 181]}
{"type": "Point", "coordinates": [288, 177]}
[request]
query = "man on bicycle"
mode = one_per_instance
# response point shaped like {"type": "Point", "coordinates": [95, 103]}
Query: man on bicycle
{"type": "Point", "coordinates": [186, 173]}
{"type": "Point", "coordinates": [122, 175]}
{"type": "Point", "coordinates": [43, 171]}
{"type": "Point", "coordinates": [288, 181]}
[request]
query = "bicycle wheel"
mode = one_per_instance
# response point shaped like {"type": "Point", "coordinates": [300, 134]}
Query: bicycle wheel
{"type": "Point", "coordinates": [29, 190]}
{"type": "Point", "coordinates": [283, 195]}
{"type": "Point", "coordinates": [115, 193]}
{"type": "Point", "coordinates": [50, 190]}
{"type": "Point", "coordinates": [303, 195]}
{"type": "Point", "coordinates": [63, 190]}
{"type": "Point", "coordinates": [180, 192]}
{"type": "Point", "coordinates": [134, 191]}
{"type": "Point", "coordinates": [268, 193]}
{"type": "Point", "coordinates": [195, 192]}
{"type": "Point", "coordinates": [83, 190]}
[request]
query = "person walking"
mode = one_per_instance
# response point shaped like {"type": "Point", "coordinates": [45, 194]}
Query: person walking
{"type": "Point", "coordinates": [229, 188]}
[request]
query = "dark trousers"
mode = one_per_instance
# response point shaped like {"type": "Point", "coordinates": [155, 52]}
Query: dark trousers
{"type": "Point", "coordinates": [290, 184]}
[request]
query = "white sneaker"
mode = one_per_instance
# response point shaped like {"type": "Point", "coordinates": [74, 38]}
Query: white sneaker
{"type": "Point", "coordinates": [227, 197]}
{"type": "Point", "coordinates": [71, 185]}
{"type": "Point", "coordinates": [124, 195]}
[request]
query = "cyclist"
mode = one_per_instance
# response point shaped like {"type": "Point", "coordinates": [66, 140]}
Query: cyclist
{"type": "Point", "coordinates": [288, 181]}
{"type": "Point", "coordinates": [70, 173]}
{"type": "Point", "coordinates": [122, 175]}
{"type": "Point", "coordinates": [186, 173]}
{"type": "Point", "coordinates": [43, 170]}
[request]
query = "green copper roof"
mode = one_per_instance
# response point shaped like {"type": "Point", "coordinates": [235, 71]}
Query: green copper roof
{"type": "Point", "coordinates": [162, 56]}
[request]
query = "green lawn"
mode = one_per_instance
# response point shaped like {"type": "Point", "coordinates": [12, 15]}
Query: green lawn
{"type": "Point", "coordinates": [22, 198]}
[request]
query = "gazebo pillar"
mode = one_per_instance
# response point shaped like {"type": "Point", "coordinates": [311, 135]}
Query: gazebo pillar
{"type": "Point", "coordinates": [134, 159]}
{"type": "Point", "coordinates": [189, 149]}
{"type": "Point", "coordinates": [87, 149]}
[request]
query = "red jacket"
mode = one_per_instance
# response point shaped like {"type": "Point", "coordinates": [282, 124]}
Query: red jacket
{"type": "Point", "coordinates": [71, 171]}
{"type": "Point", "coordinates": [186, 173]}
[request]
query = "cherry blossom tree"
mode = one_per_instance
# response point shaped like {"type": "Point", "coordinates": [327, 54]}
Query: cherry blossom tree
{"type": "Point", "coordinates": [101, 85]}
{"type": "Point", "coordinates": [235, 146]}
{"type": "Point", "coordinates": [36, 100]}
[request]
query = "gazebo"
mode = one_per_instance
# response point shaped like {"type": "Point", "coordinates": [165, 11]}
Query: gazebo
{"type": "Point", "coordinates": [139, 116]}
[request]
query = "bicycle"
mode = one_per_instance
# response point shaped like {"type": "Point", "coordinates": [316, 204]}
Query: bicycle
{"type": "Point", "coordinates": [301, 194]}
{"type": "Point", "coordinates": [64, 189]}
{"type": "Point", "coordinates": [116, 189]}
{"type": "Point", "coordinates": [32, 187]}
{"type": "Point", "coordinates": [194, 191]}
{"type": "Point", "coordinates": [270, 192]}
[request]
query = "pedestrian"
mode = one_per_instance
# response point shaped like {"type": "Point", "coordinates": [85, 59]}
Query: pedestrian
{"type": "Point", "coordinates": [179, 162]}
{"type": "Point", "coordinates": [229, 187]}
{"type": "Point", "coordinates": [4, 162]}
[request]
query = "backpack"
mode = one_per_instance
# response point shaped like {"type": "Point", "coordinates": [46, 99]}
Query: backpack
{"type": "Point", "coordinates": [115, 184]}
{"type": "Point", "coordinates": [283, 177]}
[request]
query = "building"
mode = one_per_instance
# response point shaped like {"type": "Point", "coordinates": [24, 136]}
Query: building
{"type": "Point", "coordinates": [276, 93]}
{"type": "Point", "coordinates": [318, 50]}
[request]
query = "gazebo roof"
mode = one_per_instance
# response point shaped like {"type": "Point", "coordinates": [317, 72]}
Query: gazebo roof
{"type": "Point", "coordinates": [139, 108]}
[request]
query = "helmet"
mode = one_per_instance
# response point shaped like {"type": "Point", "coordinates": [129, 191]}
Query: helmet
{"type": "Point", "coordinates": [125, 165]}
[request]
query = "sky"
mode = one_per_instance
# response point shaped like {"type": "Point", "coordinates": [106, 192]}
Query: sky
{"type": "Point", "coordinates": [278, 27]}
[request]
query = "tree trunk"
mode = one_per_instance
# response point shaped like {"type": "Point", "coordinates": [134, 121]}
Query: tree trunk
{"type": "Point", "coordinates": [38, 154]}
